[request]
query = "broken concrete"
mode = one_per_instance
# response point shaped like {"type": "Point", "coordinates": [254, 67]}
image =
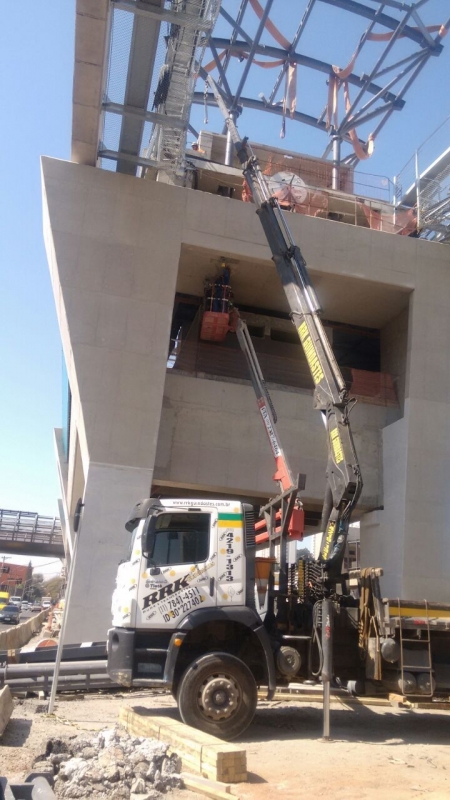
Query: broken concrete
{"type": "Point", "coordinates": [111, 764]}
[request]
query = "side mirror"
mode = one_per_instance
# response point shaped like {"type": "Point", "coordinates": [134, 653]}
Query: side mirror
{"type": "Point", "coordinates": [77, 515]}
{"type": "Point", "coordinates": [148, 537]}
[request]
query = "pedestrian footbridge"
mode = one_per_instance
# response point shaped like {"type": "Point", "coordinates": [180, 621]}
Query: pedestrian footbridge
{"type": "Point", "coordinates": [28, 534]}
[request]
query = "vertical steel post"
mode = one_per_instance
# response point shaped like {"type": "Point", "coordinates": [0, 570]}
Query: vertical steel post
{"type": "Point", "coordinates": [229, 150]}
{"type": "Point", "coordinates": [394, 199]}
{"type": "Point", "coordinates": [327, 666]}
{"type": "Point", "coordinates": [336, 168]}
{"type": "Point", "coordinates": [62, 632]}
{"type": "Point", "coordinates": [416, 162]}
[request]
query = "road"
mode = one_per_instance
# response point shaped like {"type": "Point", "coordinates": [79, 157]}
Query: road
{"type": "Point", "coordinates": [24, 615]}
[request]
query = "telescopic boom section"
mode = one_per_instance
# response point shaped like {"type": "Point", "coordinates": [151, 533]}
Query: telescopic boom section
{"type": "Point", "coordinates": [344, 483]}
{"type": "Point", "coordinates": [283, 472]}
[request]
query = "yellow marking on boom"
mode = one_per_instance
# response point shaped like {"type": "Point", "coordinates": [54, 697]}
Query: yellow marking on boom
{"type": "Point", "coordinates": [336, 445]}
{"type": "Point", "coordinates": [310, 353]}
{"type": "Point", "coordinates": [329, 538]}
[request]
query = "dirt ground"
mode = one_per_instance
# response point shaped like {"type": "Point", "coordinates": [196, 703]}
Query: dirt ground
{"type": "Point", "coordinates": [376, 752]}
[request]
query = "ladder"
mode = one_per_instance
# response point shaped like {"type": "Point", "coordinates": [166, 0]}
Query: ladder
{"type": "Point", "coordinates": [420, 644]}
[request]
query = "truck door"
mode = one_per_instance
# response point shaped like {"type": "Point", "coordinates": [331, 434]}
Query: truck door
{"type": "Point", "coordinates": [180, 573]}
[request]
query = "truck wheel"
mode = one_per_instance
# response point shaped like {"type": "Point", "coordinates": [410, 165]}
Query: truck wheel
{"type": "Point", "coordinates": [218, 695]}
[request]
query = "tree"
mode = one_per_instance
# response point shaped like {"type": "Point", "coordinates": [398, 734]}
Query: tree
{"type": "Point", "coordinates": [36, 587]}
{"type": "Point", "coordinates": [52, 588]}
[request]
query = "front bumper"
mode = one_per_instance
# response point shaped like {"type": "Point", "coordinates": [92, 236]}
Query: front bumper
{"type": "Point", "coordinates": [120, 647]}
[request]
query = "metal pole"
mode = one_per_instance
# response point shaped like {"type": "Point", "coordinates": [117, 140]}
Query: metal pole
{"type": "Point", "coordinates": [394, 200]}
{"type": "Point", "coordinates": [416, 161]}
{"type": "Point", "coordinates": [229, 151]}
{"type": "Point", "coordinates": [336, 169]}
{"type": "Point", "coordinates": [62, 632]}
{"type": "Point", "coordinates": [327, 667]}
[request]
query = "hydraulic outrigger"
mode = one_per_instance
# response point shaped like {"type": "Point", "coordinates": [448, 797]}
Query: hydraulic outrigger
{"type": "Point", "coordinates": [343, 475]}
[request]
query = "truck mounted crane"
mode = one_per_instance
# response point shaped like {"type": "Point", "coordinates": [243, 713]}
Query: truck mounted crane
{"type": "Point", "coordinates": [343, 474]}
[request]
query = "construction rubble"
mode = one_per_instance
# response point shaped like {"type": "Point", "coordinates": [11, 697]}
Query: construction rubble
{"type": "Point", "coordinates": [110, 765]}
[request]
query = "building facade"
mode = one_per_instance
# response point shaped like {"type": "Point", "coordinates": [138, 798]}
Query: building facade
{"type": "Point", "coordinates": [153, 409]}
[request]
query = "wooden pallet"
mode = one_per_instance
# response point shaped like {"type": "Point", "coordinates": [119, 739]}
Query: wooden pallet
{"type": "Point", "coordinates": [199, 752]}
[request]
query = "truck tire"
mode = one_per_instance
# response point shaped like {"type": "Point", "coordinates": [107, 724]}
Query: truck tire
{"type": "Point", "coordinates": [218, 695]}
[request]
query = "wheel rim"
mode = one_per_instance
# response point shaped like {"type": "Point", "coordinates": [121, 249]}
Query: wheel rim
{"type": "Point", "coordinates": [219, 697]}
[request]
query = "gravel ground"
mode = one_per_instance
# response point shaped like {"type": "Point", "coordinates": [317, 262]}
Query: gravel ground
{"type": "Point", "coordinates": [376, 752]}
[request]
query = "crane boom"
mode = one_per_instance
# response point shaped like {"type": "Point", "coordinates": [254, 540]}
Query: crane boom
{"type": "Point", "coordinates": [343, 475]}
{"type": "Point", "coordinates": [283, 472]}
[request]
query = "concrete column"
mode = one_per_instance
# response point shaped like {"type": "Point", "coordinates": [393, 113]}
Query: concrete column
{"type": "Point", "coordinates": [110, 494]}
{"type": "Point", "coordinates": [113, 245]}
{"type": "Point", "coordinates": [410, 538]}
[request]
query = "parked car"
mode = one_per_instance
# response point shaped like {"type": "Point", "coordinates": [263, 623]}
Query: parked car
{"type": "Point", "coordinates": [10, 614]}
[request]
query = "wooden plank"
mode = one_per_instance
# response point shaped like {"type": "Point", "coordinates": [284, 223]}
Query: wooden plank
{"type": "Point", "coordinates": [345, 700]}
{"type": "Point", "coordinates": [213, 789]}
{"type": "Point", "coordinates": [202, 753]}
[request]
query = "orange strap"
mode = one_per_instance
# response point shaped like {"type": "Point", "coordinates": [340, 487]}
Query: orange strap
{"type": "Point", "coordinates": [362, 151]}
{"type": "Point", "coordinates": [382, 37]}
{"type": "Point", "coordinates": [342, 74]}
{"type": "Point", "coordinates": [212, 64]}
{"type": "Point", "coordinates": [386, 37]}
{"type": "Point", "coordinates": [332, 105]}
{"type": "Point", "coordinates": [277, 35]}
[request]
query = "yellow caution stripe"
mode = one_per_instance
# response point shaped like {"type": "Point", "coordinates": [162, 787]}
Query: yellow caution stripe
{"type": "Point", "coordinates": [310, 353]}
{"type": "Point", "coordinates": [430, 613]}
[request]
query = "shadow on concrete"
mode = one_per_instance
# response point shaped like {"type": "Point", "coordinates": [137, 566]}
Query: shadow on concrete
{"type": "Point", "coordinates": [17, 732]}
{"type": "Point", "coordinates": [350, 724]}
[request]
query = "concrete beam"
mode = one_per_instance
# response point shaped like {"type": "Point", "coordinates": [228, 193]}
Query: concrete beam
{"type": "Point", "coordinates": [91, 36]}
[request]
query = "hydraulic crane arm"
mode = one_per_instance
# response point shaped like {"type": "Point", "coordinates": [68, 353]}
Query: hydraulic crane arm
{"type": "Point", "coordinates": [344, 483]}
{"type": "Point", "coordinates": [294, 522]}
{"type": "Point", "coordinates": [283, 472]}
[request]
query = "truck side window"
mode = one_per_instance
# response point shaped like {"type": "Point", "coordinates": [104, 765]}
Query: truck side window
{"type": "Point", "coordinates": [181, 538]}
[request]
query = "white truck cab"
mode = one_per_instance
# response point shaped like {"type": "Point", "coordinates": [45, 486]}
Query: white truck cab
{"type": "Point", "coordinates": [184, 610]}
{"type": "Point", "coordinates": [187, 556]}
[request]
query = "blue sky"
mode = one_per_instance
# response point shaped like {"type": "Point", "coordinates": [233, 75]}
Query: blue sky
{"type": "Point", "coordinates": [36, 66]}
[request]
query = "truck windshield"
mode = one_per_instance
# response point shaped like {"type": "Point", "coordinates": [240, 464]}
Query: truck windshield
{"type": "Point", "coordinates": [181, 538]}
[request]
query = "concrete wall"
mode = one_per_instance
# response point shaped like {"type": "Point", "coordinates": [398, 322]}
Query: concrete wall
{"type": "Point", "coordinates": [212, 437]}
{"type": "Point", "coordinates": [117, 248]}
{"type": "Point", "coordinates": [393, 350]}
{"type": "Point", "coordinates": [411, 537]}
